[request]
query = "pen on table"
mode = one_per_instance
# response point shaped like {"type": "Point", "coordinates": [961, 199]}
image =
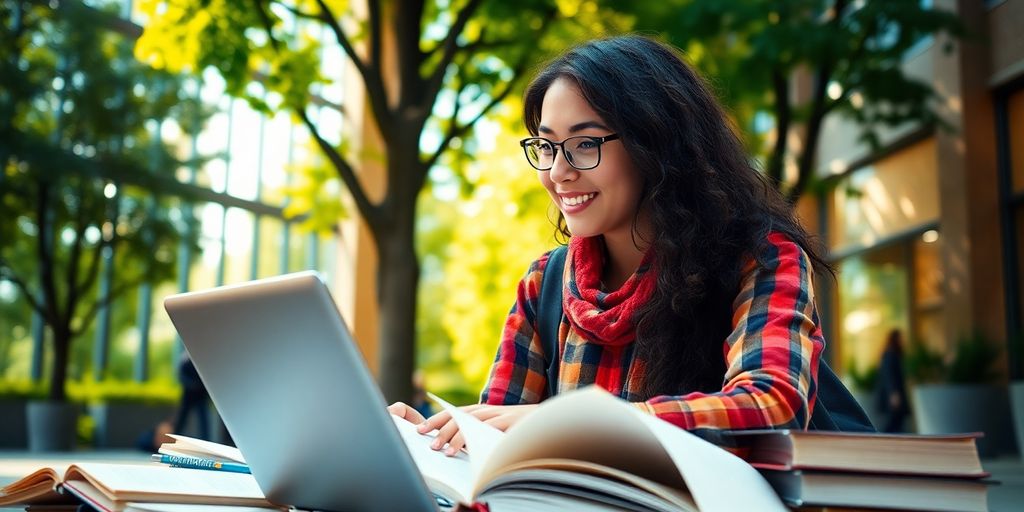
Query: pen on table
{"type": "Point", "coordinates": [199, 463]}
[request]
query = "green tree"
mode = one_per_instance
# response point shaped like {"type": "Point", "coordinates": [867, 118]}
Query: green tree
{"type": "Point", "coordinates": [427, 67]}
{"type": "Point", "coordinates": [82, 175]}
{"type": "Point", "coordinates": [754, 50]}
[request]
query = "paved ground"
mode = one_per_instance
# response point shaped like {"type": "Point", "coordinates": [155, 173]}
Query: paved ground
{"type": "Point", "coordinates": [1006, 497]}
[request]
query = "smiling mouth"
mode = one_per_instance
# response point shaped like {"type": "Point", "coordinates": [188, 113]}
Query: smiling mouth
{"type": "Point", "coordinates": [577, 200]}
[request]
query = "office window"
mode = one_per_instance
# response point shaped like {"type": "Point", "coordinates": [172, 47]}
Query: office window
{"type": "Point", "coordinates": [894, 195]}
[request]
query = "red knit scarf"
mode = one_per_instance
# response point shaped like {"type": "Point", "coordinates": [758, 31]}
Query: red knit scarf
{"type": "Point", "coordinates": [603, 318]}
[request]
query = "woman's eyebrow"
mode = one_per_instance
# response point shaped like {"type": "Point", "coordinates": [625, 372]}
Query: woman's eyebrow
{"type": "Point", "coordinates": [576, 127]}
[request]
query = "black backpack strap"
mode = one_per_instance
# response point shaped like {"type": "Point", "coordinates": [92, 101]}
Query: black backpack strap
{"type": "Point", "coordinates": [835, 408]}
{"type": "Point", "coordinates": [549, 314]}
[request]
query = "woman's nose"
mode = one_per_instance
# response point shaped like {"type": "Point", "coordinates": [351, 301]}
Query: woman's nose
{"type": "Point", "coordinates": [561, 170]}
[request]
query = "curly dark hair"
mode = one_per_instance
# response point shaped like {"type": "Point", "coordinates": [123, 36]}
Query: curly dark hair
{"type": "Point", "coordinates": [709, 208]}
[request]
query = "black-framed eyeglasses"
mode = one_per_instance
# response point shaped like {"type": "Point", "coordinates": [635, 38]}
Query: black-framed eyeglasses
{"type": "Point", "coordinates": [583, 152]}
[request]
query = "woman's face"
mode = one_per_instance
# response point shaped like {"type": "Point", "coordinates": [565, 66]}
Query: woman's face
{"type": "Point", "coordinates": [598, 201]}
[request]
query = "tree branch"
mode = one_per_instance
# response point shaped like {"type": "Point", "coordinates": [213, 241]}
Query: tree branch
{"type": "Point", "coordinates": [300, 14]}
{"type": "Point", "coordinates": [805, 164]}
{"type": "Point", "coordinates": [370, 72]}
{"type": "Point", "coordinates": [455, 130]}
{"type": "Point", "coordinates": [114, 293]}
{"type": "Point", "coordinates": [71, 278]}
{"type": "Point", "coordinates": [367, 209]}
{"type": "Point", "coordinates": [450, 46]}
{"type": "Point", "coordinates": [268, 25]}
{"type": "Point", "coordinates": [6, 273]}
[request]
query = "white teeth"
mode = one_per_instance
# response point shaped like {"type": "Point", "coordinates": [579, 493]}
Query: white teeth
{"type": "Point", "coordinates": [573, 201]}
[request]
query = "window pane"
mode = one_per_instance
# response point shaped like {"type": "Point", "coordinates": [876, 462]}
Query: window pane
{"type": "Point", "coordinates": [298, 241]}
{"type": "Point", "coordinates": [238, 248]}
{"type": "Point", "coordinates": [873, 292]}
{"type": "Point", "coordinates": [162, 336]}
{"type": "Point", "coordinates": [271, 243]}
{"type": "Point", "coordinates": [205, 264]}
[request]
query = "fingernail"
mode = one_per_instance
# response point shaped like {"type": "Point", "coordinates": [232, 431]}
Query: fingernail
{"type": "Point", "coordinates": [436, 445]}
{"type": "Point", "coordinates": [450, 451]}
{"type": "Point", "coordinates": [421, 428]}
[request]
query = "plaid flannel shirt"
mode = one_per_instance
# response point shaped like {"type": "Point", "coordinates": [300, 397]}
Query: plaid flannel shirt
{"type": "Point", "coordinates": [771, 355]}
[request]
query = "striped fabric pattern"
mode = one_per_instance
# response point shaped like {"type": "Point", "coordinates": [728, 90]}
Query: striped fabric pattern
{"type": "Point", "coordinates": [771, 355]}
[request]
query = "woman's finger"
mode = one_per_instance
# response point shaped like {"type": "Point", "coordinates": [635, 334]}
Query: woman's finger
{"type": "Point", "coordinates": [457, 443]}
{"type": "Point", "coordinates": [405, 412]}
{"type": "Point", "coordinates": [444, 435]}
{"type": "Point", "coordinates": [434, 422]}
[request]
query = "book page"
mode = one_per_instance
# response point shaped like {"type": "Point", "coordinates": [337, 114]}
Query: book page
{"type": "Point", "coordinates": [717, 479]}
{"type": "Point", "coordinates": [192, 447]}
{"type": "Point", "coordinates": [451, 476]}
{"type": "Point", "coordinates": [586, 425]}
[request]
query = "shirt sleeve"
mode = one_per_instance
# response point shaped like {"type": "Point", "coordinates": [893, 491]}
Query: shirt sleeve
{"type": "Point", "coordinates": [771, 354]}
{"type": "Point", "coordinates": [518, 375]}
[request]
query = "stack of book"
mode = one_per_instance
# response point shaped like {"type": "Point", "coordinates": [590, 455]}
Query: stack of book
{"type": "Point", "coordinates": [869, 470]}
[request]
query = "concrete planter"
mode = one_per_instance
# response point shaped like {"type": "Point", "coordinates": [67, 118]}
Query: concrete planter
{"type": "Point", "coordinates": [52, 426]}
{"type": "Point", "coordinates": [120, 424]}
{"type": "Point", "coordinates": [13, 428]}
{"type": "Point", "coordinates": [957, 408]}
{"type": "Point", "coordinates": [1017, 403]}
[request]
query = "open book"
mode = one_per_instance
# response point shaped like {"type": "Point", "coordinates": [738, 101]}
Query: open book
{"type": "Point", "coordinates": [587, 450]}
{"type": "Point", "coordinates": [118, 487]}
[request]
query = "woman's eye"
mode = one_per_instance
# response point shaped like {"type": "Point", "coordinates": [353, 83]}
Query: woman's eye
{"type": "Point", "coordinates": [586, 144]}
{"type": "Point", "coordinates": [544, 148]}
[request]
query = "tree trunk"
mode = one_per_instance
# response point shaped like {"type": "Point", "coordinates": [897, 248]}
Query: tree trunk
{"type": "Point", "coordinates": [61, 346]}
{"type": "Point", "coordinates": [397, 285]}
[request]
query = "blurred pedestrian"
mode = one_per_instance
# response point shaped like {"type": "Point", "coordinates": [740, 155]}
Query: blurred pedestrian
{"type": "Point", "coordinates": [891, 393]}
{"type": "Point", "coordinates": [193, 397]}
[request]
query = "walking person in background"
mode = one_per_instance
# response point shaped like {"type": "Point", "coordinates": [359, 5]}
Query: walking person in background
{"type": "Point", "coordinates": [892, 391]}
{"type": "Point", "coordinates": [193, 397]}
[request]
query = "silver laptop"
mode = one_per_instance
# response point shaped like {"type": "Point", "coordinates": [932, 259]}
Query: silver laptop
{"type": "Point", "coordinates": [296, 396]}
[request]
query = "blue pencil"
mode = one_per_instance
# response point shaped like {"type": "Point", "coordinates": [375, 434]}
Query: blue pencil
{"type": "Point", "coordinates": [199, 463]}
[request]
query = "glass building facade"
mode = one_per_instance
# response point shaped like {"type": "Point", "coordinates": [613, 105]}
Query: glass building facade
{"type": "Point", "coordinates": [240, 164]}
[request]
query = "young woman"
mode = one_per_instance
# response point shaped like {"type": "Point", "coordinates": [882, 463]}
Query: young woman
{"type": "Point", "coordinates": [688, 281]}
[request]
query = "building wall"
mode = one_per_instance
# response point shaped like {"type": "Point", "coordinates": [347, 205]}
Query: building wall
{"type": "Point", "coordinates": [961, 162]}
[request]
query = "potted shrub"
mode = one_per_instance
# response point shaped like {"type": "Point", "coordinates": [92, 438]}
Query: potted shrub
{"type": "Point", "coordinates": [959, 393]}
{"type": "Point", "coordinates": [862, 386]}
{"type": "Point", "coordinates": [121, 411]}
{"type": "Point", "coordinates": [13, 397]}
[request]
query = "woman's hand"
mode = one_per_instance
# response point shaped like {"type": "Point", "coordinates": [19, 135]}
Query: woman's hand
{"type": "Point", "coordinates": [500, 417]}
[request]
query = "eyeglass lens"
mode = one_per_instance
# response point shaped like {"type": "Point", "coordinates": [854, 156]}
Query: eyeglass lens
{"type": "Point", "coordinates": [581, 152]}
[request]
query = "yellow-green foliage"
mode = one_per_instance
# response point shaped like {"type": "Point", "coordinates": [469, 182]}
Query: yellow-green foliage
{"type": "Point", "coordinates": [152, 392]}
{"type": "Point", "coordinates": [503, 226]}
{"type": "Point", "coordinates": [88, 391]}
